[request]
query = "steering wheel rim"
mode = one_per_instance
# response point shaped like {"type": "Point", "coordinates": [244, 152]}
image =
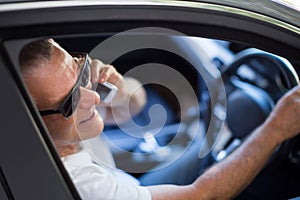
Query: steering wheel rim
{"type": "Point", "coordinates": [290, 76]}
{"type": "Point", "coordinates": [289, 79]}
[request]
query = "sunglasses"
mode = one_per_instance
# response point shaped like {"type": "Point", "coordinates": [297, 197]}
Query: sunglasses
{"type": "Point", "coordinates": [70, 103]}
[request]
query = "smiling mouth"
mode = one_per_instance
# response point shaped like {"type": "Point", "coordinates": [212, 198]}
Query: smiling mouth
{"type": "Point", "coordinates": [86, 120]}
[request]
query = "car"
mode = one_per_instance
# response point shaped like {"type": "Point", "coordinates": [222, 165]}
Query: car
{"type": "Point", "coordinates": [212, 69]}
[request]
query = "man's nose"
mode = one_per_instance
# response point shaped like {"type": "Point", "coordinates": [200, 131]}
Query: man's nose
{"type": "Point", "coordinates": [88, 98]}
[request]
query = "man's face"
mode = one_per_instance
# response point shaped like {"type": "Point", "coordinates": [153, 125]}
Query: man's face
{"type": "Point", "coordinates": [49, 86]}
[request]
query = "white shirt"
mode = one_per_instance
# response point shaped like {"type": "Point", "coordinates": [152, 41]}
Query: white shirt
{"type": "Point", "coordinates": [93, 182]}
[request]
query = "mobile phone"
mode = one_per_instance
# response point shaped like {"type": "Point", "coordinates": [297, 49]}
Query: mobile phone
{"type": "Point", "coordinates": [107, 91]}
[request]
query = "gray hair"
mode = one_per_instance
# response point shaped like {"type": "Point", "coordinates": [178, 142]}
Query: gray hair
{"type": "Point", "coordinates": [35, 53]}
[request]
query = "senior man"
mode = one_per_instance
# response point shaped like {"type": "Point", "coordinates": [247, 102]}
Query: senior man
{"type": "Point", "coordinates": [61, 88]}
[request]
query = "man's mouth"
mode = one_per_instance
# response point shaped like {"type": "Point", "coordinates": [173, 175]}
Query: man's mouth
{"type": "Point", "coordinates": [88, 119]}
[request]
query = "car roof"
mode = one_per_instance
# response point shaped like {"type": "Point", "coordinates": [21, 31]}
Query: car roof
{"type": "Point", "coordinates": [277, 9]}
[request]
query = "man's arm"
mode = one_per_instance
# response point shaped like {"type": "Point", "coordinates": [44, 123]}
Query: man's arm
{"type": "Point", "coordinates": [227, 178]}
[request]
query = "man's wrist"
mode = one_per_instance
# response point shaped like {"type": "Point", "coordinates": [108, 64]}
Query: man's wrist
{"type": "Point", "coordinates": [273, 132]}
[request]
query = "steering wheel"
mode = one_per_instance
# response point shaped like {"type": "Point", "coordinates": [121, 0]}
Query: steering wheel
{"type": "Point", "coordinates": [254, 82]}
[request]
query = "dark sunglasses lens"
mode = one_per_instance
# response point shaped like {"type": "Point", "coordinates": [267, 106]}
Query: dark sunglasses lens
{"type": "Point", "coordinates": [67, 107]}
{"type": "Point", "coordinates": [72, 101]}
{"type": "Point", "coordinates": [71, 104]}
{"type": "Point", "coordinates": [76, 98]}
{"type": "Point", "coordinates": [85, 77]}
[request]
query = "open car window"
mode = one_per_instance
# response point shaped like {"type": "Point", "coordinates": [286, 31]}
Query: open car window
{"type": "Point", "coordinates": [180, 81]}
{"type": "Point", "coordinates": [201, 73]}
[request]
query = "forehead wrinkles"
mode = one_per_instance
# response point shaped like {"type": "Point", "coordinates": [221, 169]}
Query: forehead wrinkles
{"type": "Point", "coordinates": [68, 70]}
